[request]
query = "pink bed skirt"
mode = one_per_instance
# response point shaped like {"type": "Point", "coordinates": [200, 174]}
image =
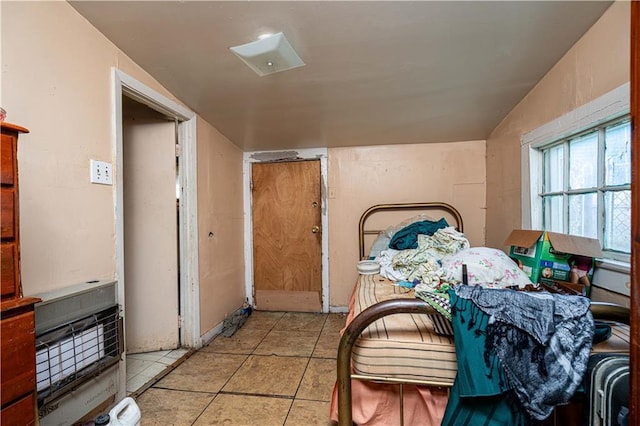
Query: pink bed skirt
{"type": "Point", "coordinates": [379, 404]}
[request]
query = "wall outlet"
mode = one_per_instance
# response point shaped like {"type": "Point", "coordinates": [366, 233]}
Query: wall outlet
{"type": "Point", "coordinates": [101, 172]}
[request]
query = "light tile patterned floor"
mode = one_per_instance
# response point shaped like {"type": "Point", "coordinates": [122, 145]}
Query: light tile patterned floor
{"type": "Point", "coordinates": [278, 369]}
{"type": "Point", "coordinates": [144, 367]}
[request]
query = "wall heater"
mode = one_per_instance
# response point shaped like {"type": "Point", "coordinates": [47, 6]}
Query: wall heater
{"type": "Point", "coordinates": [78, 347]}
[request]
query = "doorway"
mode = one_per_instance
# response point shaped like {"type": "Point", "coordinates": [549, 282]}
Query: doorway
{"type": "Point", "coordinates": [184, 129]}
{"type": "Point", "coordinates": [287, 235]}
{"type": "Point", "coordinates": [151, 209]}
{"type": "Point", "coordinates": [151, 218]}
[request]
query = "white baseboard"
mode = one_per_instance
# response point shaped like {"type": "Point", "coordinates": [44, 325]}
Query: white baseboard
{"type": "Point", "coordinates": [209, 335]}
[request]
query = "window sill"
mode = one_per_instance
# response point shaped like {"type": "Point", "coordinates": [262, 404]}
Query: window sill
{"type": "Point", "coordinates": [614, 265]}
{"type": "Point", "coordinates": [613, 276]}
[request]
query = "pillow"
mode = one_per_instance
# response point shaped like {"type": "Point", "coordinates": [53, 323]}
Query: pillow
{"type": "Point", "coordinates": [379, 245]}
{"type": "Point", "coordinates": [486, 266]}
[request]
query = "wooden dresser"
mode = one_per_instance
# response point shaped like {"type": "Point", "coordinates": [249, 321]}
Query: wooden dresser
{"type": "Point", "coordinates": [17, 326]}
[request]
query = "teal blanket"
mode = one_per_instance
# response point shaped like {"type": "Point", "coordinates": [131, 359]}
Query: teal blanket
{"type": "Point", "coordinates": [519, 354]}
{"type": "Point", "coordinates": [481, 394]}
{"type": "Point", "coordinates": [407, 237]}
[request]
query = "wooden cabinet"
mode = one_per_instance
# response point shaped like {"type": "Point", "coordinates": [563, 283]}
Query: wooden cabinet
{"type": "Point", "coordinates": [9, 222]}
{"type": "Point", "coordinates": [18, 362]}
{"type": "Point", "coordinates": [17, 356]}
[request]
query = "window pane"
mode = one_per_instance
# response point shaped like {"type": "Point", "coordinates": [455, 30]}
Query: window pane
{"type": "Point", "coordinates": [553, 213]}
{"type": "Point", "coordinates": [617, 227]}
{"type": "Point", "coordinates": [583, 158]}
{"type": "Point", "coordinates": [583, 211]}
{"type": "Point", "coordinates": [618, 154]}
{"type": "Point", "coordinates": [553, 169]}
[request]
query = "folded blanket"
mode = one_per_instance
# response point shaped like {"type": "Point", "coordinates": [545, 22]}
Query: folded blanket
{"type": "Point", "coordinates": [423, 262]}
{"type": "Point", "coordinates": [481, 394]}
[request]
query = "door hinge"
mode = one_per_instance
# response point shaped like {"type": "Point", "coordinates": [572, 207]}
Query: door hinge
{"type": "Point", "coordinates": [179, 321]}
{"type": "Point", "coordinates": [178, 150]}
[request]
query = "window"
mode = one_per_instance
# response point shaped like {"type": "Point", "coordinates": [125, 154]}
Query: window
{"type": "Point", "coordinates": [575, 179]}
{"type": "Point", "coordinates": [586, 186]}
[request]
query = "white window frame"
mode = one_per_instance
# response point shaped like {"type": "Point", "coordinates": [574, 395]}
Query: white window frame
{"type": "Point", "coordinates": [599, 190]}
{"type": "Point", "coordinates": [610, 106]}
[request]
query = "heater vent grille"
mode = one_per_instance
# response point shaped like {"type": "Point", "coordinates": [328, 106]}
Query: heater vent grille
{"type": "Point", "coordinates": [75, 352]}
{"type": "Point", "coordinates": [79, 335]}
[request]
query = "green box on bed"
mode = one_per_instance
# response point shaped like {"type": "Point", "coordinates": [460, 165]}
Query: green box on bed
{"type": "Point", "coordinates": [548, 256]}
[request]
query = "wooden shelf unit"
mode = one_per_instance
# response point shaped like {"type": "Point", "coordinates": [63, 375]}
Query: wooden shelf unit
{"type": "Point", "coordinates": [17, 326]}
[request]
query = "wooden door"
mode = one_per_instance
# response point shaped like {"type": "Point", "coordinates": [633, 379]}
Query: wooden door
{"type": "Point", "coordinates": [287, 236]}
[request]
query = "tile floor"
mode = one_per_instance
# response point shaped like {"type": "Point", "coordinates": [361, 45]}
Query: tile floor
{"type": "Point", "coordinates": [278, 369]}
{"type": "Point", "coordinates": [144, 367]}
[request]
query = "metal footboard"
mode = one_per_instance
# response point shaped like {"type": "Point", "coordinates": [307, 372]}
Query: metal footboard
{"type": "Point", "coordinates": [351, 334]}
{"type": "Point", "coordinates": [610, 312]}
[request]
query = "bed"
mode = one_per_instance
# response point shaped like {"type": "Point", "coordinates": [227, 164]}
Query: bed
{"type": "Point", "coordinates": [393, 365]}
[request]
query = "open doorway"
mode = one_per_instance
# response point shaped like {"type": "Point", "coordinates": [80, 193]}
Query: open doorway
{"type": "Point", "coordinates": [151, 218]}
{"type": "Point", "coordinates": [175, 124]}
{"type": "Point", "coordinates": [151, 208]}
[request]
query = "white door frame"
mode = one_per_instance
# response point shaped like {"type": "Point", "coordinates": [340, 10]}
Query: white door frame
{"type": "Point", "coordinates": [267, 156]}
{"type": "Point", "coordinates": [124, 84]}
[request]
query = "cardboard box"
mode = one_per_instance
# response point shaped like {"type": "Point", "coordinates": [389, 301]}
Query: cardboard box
{"type": "Point", "coordinates": [565, 287]}
{"type": "Point", "coordinates": [548, 256]}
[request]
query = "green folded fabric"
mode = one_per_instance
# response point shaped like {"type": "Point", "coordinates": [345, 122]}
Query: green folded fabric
{"type": "Point", "coordinates": [439, 302]}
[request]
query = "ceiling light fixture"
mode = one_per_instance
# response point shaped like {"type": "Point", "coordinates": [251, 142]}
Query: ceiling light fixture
{"type": "Point", "coordinates": [268, 55]}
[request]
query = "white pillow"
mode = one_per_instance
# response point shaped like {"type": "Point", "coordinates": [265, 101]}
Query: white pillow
{"type": "Point", "coordinates": [486, 266]}
{"type": "Point", "coordinates": [379, 245]}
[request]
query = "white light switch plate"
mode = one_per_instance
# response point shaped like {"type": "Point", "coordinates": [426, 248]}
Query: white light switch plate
{"type": "Point", "coordinates": [101, 172]}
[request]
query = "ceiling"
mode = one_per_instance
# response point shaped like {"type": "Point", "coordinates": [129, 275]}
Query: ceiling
{"type": "Point", "coordinates": [384, 72]}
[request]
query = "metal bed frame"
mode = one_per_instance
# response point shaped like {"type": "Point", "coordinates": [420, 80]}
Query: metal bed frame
{"type": "Point", "coordinates": [599, 310]}
{"type": "Point", "coordinates": [431, 206]}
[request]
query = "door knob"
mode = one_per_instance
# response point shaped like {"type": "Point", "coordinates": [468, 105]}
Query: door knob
{"type": "Point", "coordinates": [315, 229]}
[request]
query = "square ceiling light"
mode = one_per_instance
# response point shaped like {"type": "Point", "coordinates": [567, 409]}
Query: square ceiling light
{"type": "Point", "coordinates": [269, 55]}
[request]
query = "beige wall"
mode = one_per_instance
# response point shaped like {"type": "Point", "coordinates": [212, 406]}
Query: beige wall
{"type": "Point", "coordinates": [56, 81]}
{"type": "Point", "coordinates": [595, 65]}
{"type": "Point", "coordinates": [361, 177]}
{"type": "Point", "coordinates": [220, 208]}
